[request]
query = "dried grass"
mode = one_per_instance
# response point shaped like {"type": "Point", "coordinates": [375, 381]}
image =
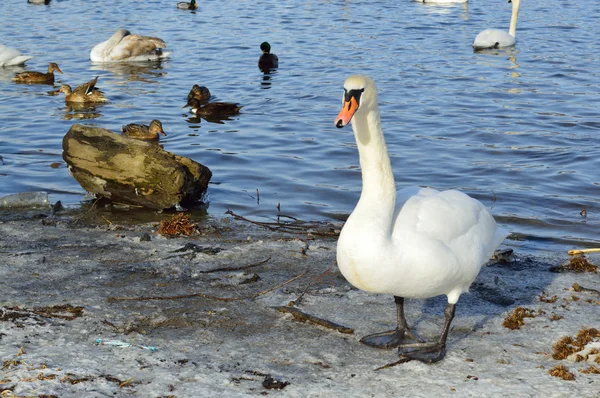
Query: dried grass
{"type": "Point", "coordinates": [514, 320]}
{"type": "Point", "coordinates": [562, 372]}
{"type": "Point", "coordinates": [177, 225]}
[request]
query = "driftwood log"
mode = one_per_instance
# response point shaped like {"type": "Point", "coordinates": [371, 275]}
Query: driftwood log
{"type": "Point", "coordinates": [131, 171]}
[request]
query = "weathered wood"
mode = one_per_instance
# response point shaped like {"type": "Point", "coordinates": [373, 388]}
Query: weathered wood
{"type": "Point", "coordinates": [132, 171]}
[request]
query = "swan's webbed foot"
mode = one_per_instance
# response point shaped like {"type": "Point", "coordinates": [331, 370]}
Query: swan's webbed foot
{"type": "Point", "coordinates": [390, 339]}
{"type": "Point", "coordinates": [426, 352]}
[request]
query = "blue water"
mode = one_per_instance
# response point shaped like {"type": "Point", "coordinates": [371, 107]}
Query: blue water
{"type": "Point", "coordinates": [514, 128]}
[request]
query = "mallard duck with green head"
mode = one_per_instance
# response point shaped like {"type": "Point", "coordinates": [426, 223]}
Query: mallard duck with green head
{"type": "Point", "coordinates": [85, 93]}
{"type": "Point", "coordinates": [144, 132]}
{"type": "Point", "coordinates": [38, 77]}
{"type": "Point", "coordinates": [267, 60]}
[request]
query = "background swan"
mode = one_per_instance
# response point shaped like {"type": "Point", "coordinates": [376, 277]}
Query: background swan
{"type": "Point", "coordinates": [11, 56]}
{"type": "Point", "coordinates": [442, 1]}
{"type": "Point", "coordinates": [123, 46]}
{"type": "Point", "coordinates": [417, 243]}
{"type": "Point", "coordinates": [496, 38]}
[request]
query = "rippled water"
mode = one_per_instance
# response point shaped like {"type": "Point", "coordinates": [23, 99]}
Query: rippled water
{"type": "Point", "coordinates": [514, 128]}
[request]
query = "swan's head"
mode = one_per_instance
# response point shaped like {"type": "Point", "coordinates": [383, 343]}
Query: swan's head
{"type": "Point", "coordinates": [360, 95]}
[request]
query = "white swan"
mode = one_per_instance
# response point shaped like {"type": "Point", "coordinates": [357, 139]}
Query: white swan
{"type": "Point", "coordinates": [124, 47]}
{"type": "Point", "coordinates": [417, 242]}
{"type": "Point", "coordinates": [11, 56]}
{"type": "Point", "coordinates": [442, 1]}
{"type": "Point", "coordinates": [496, 38]}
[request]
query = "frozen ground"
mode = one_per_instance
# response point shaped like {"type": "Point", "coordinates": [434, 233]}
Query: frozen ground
{"type": "Point", "coordinates": [209, 347]}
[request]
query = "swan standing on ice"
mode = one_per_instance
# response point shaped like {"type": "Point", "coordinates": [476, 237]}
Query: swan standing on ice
{"type": "Point", "coordinates": [496, 38]}
{"type": "Point", "coordinates": [415, 243]}
{"type": "Point", "coordinates": [125, 47]}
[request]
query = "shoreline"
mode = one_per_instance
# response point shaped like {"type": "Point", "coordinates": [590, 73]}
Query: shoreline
{"type": "Point", "coordinates": [210, 341]}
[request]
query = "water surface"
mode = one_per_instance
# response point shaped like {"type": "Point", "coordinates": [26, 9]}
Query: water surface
{"type": "Point", "coordinates": [514, 128]}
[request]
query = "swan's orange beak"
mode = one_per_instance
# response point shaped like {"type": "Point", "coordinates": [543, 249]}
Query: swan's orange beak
{"type": "Point", "coordinates": [348, 109]}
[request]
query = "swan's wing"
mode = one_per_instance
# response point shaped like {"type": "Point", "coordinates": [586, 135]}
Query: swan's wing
{"type": "Point", "coordinates": [491, 38]}
{"type": "Point", "coordinates": [10, 56]}
{"type": "Point", "coordinates": [452, 219]}
{"type": "Point", "coordinates": [135, 45]}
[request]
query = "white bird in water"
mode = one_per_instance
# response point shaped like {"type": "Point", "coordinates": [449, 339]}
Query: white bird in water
{"type": "Point", "coordinates": [414, 243]}
{"type": "Point", "coordinates": [126, 47]}
{"type": "Point", "coordinates": [497, 38]}
{"type": "Point", "coordinates": [11, 56]}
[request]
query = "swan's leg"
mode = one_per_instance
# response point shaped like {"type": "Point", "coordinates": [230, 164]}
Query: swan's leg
{"type": "Point", "coordinates": [434, 351]}
{"type": "Point", "coordinates": [393, 338]}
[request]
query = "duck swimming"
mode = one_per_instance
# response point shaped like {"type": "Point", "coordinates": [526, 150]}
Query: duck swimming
{"type": "Point", "coordinates": [184, 5]}
{"type": "Point", "coordinates": [213, 108]}
{"type": "Point", "coordinates": [85, 93]}
{"type": "Point", "coordinates": [414, 243]}
{"type": "Point", "coordinates": [126, 47]}
{"type": "Point", "coordinates": [143, 132]}
{"type": "Point", "coordinates": [200, 93]}
{"type": "Point", "coordinates": [11, 56]}
{"type": "Point", "coordinates": [497, 38]}
{"type": "Point", "coordinates": [38, 77]}
{"type": "Point", "coordinates": [267, 60]}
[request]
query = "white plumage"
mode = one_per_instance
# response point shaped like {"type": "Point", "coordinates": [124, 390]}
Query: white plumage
{"type": "Point", "coordinates": [11, 56]}
{"type": "Point", "coordinates": [496, 38]}
{"type": "Point", "coordinates": [126, 47]}
{"type": "Point", "coordinates": [417, 242]}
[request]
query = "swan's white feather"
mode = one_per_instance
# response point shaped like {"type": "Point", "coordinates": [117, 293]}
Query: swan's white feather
{"type": "Point", "coordinates": [11, 56]}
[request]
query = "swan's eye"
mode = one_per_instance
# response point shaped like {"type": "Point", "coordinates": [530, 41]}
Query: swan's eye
{"type": "Point", "coordinates": [353, 94]}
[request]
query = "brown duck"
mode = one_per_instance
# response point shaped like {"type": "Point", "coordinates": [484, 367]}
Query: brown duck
{"type": "Point", "coordinates": [38, 77]}
{"type": "Point", "coordinates": [85, 93]}
{"type": "Point", "coordinates": [143, 132]}
{"type": "Point", "coordinates": [213, 108]}
{"type": "Point", "coordinates": [200, 93]}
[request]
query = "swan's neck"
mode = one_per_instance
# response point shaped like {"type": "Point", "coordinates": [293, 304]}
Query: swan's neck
{"type": "Point", "coordinates": [513, 19]}
{"type": "Point", "coordinates": [378, 197]}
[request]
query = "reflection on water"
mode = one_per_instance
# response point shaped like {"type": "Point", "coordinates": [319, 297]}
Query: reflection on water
{"type": "Point", "coordinates": [146, 72]}
{"type": "Point", "coordinates": [82, 111]}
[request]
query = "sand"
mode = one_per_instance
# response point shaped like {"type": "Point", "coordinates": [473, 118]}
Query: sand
{"type": "Point", "coordinates": [65, 332]}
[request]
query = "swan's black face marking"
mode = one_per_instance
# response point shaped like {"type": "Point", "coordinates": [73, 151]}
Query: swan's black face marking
{"type": "Point", "coordinates": [348, 95]}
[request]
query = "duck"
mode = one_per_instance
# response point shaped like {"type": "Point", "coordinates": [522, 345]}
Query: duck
{"type": "Point", "coordinates": [38, 2]}
{"type": "Point", "coordinates": [200, 93]}
{"type": "Point", "coordinates": [414, 243]}
{"type": "Point", "coordinates": [213, 108]}
{"type": "Point", "coordinates": [11, 56]}
{"type": "Point", "coordinates": [126, 47]}
{"type": "Point", "coordinates": [184, 5]}
{"type": "Point", "coordinates": [85, 93]}
{"type": "Point", "coordinates": [267, 60]}
{"type": "Point", "coordinates": [143, 132]}
{"type": "Point", "coordinates": [498, 38]}
{"type": "Point", "coordinates": [38, 77]}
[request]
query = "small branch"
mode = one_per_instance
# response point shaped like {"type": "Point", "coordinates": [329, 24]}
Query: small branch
{"type": "Point", "coordinates": [304, 317]}
{"type": "Point", "coordinates": [223, 269]}
{"type": "Point", "coordinates": [583, 251]}
{"type": "Point", "coordinates": [576, 287]}
{"type": "Point", "coordinates": [398, 362]}
{"type": "Point", "coordinates": [206, 296]}
{"type": "Point", "coordinates": [299, 299]}
{"type": "Point", "coordinates": [298, 227]}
